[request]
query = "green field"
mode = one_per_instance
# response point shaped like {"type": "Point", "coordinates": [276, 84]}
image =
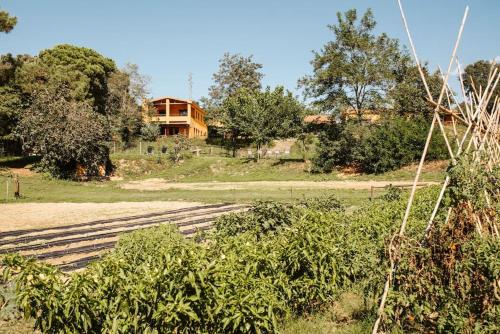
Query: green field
{"type": "Point", "coordinates": [36, 187]}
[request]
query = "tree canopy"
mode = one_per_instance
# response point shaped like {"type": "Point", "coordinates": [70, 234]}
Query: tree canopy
{"type": "Point", "coordinates": [12, 100]}
{"type": "Point", "coordinates": [261, 117]}
{"type": "Point", "coordinates": [86, 78]}
{"type": "Point", "coordinates": [127, 88]}
{"type": "Point", "coordinates": [475, 77]}
{"type": "Point", "coordinates": [7, 22]}
{"type": "Point", "coordinates": [356, 69]}
{"type": "Point", "coordinates": [235, 72]}
{"type": "Point", "coordinates": [66, 134]}
{"type": "Point", "coordinates": [409, 97]}
{"type": "Point", "coordinates": [84, 71]}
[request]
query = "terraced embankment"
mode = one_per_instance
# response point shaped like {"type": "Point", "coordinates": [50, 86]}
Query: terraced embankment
{"type": "Point", "coordinates": [72, 247]}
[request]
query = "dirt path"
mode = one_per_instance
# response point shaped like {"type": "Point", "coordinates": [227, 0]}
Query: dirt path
{"type": "Point", "coordinates": [34, 215]}
{"type": "Point", "coordinates": [155, 184]}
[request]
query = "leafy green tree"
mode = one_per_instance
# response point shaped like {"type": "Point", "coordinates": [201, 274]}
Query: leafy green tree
{"type": "Point", "coordinates": [336, 146]}
{"type": "Point", "coordinates": [356, 69]}
{"type": "Point", "coordinates": [11, 104]}
{"type": "Point", "coordinates": [278, 114]}
{"type": "Point", "coordinates": [7, 22]}
{"type": "Point", "coordinates": [409, 97]}
{"type": "Point", "coordinates": [12, 101]}
{"type": "Point", "coordinates": [235, 72]}
{"type": "Point", "coordinates": [232, 117]}
{"type": "Point", "coordinates": [66, 134]}
{"type": "Point", "coordinates": [84, 71]}
{"type": "Point", "coordinates": [127, 88]}
{"type": "Point", "coordinates": [476, 76]}
{"type": "Point", "coordinates": [261, 116]}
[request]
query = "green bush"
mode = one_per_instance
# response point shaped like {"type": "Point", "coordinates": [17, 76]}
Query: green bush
{"type": "Point", "coordinates": [380, 148]}
{"type": "Point", "coordinates": [336, 147]}
{"type": "Point", "coordinates": [150, 131]}
{"type": "Point", "coordinates": [321, 204]}
{"type": "Point", "coordinates": [268, 217]}
{"type": "Point", "coordinates": [398, 142]}
{"type": "Point", "coordinates": [264, 217]}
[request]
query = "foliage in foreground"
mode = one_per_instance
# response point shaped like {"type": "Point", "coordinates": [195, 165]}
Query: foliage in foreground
{"type": "Point", "coordinates": [246, 282]}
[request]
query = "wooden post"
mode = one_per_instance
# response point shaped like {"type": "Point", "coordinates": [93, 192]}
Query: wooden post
{"type": "Point", "coordinates": [7, 191]}
{"type": "Point", "coordinates": [371, 193]}
{"type": "Point", "coordinates": [167, 111]}
{"type": "Point", "coordinates": [17, 187]}
{"type": "Point", "coordinates": [140, 147]}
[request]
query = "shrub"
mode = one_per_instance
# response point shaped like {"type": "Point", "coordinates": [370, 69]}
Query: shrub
{"type": "Point", "coordinates": [398, 142]}
{"type": "Point", "coordinates": [150, 131]}
{"type": "Point", "coordinates": [177, 150]}
{"type": "Point", "coordinates": [377, 148]}
{"type": "Point", "coordinates": [268, 217]}
{"type": "Point", "coordinates": [321, 204]}
{"type": "Point", "coordinates": [335, 147]}
{"type": "Point", "coordinates": [264, 217]}
{"type": "Point", "coordinates": [449, 283]}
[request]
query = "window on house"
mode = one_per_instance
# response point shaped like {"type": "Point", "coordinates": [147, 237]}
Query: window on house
{"type": "Point", "coordinates": [183, 112]}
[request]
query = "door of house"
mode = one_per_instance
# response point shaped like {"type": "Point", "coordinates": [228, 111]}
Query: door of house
{"type": "Point", "coordinates": [173, 131]}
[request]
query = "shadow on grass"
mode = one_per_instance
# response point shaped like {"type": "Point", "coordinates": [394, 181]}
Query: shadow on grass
{"type": "Point", "coordinates": [18, 162]}
{"type": "Point", "coordinates": [283, 161]}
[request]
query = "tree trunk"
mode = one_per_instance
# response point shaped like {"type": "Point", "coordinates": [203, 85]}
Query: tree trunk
{"type": "Point", "coordinates": [233, 144]}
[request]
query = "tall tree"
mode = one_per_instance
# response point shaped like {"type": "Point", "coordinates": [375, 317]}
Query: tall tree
{"type": "Point", "coordinates": [84, 71]}
{"type": "Point", "coordinates": [65, 134]}
{"type": "Point", "coordinates": [356, 68]}
{"type": "Point", "coordinates": [409, 97]}
{"type": "Point", "coordinates": [127, 89]}
{"type": "Point", "coordinates": [7, 22]}
{"type": "Point", "coordinates": [475, 77]}
{"type": "Point", "coordinates": [261, 116]}
{"type": "Point", "coordinates": [12, 101]}
{"type": "Point", "coordinates": [235, 72]}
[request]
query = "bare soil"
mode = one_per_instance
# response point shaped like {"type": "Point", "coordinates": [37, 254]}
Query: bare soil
{"type": "Point", "coordinates": [155, 184]}
{"type": "Point", "coordinates": [17, 216]}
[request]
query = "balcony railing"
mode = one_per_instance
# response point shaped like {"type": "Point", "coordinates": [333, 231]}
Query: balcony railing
{"type": "Point", "coordinates": [171, 119]}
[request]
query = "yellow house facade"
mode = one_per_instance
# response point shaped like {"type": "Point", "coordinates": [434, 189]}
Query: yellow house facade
{"type": "Point", "coordinates": [176, 116]}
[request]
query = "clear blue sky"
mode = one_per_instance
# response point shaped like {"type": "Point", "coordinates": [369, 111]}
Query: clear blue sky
{"type": "Point", "coordinates": [169, 39]}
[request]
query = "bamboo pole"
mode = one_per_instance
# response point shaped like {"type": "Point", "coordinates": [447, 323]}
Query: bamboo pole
{"type": "Point", "coordinates": [424, 153]}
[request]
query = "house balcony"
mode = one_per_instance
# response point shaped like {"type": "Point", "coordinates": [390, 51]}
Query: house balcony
{"type": "Point", "coordinates": [171, 119]}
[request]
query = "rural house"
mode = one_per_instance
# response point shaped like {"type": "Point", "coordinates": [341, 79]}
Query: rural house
{"type": "Point", "coordinates": [176, 116]}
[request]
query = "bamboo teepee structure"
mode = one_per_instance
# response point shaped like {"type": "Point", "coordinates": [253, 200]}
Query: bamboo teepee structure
{"type": "Point", "coordinates": [479, 113]}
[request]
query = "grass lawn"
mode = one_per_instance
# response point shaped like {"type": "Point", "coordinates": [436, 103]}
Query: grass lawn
{"type": "Point", "coordinates": [205, 168]}
{"type": "Point", "coordinates": [226, 169]}
{"type": "Point", "coordinates": [38, 188]}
